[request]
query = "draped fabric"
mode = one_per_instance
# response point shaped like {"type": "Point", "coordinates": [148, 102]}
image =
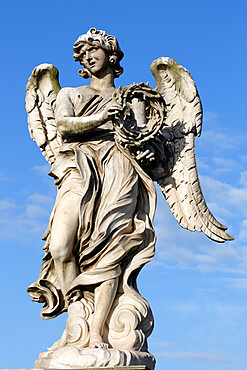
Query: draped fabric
{"type": "Point", "coordinates": [115, 236]}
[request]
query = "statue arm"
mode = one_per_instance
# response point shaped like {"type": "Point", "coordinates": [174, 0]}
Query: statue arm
{"type": "Point", "coordinates": [68, 124]}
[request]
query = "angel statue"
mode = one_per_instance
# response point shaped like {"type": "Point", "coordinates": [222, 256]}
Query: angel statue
{"type": "Point", "coordinates": [106, 146]}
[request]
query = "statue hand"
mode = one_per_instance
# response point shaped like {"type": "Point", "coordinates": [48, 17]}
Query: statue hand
{"type": "Point", "coordinates": [111, 111]}
{"type": "Point", "coordinates": [146, 156]}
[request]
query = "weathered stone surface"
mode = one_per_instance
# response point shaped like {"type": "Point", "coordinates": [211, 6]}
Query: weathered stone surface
{"type": "Point", "coordinates": [141, 367]}
{"type": "Point", "coordinates": [106, 147]}
{"type": "Point", "coordinates": [69, 357]}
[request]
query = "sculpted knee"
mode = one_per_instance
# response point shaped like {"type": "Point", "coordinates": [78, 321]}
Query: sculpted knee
{"type": "Point", "coordinates": [60, 252]}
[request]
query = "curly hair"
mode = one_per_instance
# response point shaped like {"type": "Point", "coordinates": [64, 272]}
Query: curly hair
{"type": "Point", "coordinates": [100, 39]}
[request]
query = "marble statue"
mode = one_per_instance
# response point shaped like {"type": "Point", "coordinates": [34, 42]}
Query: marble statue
{"type": "Point", "coordinates": [106, 146]}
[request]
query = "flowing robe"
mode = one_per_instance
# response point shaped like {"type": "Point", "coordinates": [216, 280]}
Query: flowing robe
{"type": "Point", "coordinates": [115, 236]}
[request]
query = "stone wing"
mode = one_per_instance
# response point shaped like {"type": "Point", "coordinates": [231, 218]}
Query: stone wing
{"type": "Point", "coordinates": [181, 185]}
{"type": "Point", "coordinates": [42, 89]}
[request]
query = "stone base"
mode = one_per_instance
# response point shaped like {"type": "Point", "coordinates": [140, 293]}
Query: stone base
{"type": "Point", "coordinates": [71, 358]}
{"type": "Point", "coordinates": [138, 367]}
{"type": "Point", "coordinates": [111, 368]}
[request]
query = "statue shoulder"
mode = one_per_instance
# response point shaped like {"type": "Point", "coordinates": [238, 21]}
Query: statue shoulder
{"type": "Point", "coordinates": [70, 94]}
{"type": "Point", "coordinates": [73, 92]}
{"type": "Point", "coordinates": [66, 93]}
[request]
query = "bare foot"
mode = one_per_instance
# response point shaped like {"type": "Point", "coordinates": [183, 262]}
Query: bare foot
{"type": "Point", "coordinates": [96, 341]}
{"type": "Point", "coordinates": [99, 345]}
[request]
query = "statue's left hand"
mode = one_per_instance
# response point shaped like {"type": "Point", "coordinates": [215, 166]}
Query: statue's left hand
{"type": "Point", "coordinates": [146, 155]}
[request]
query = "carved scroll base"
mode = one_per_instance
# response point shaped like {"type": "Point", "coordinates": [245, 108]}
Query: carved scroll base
{"type": "Point", "coordinates": [128, 325]}
{"type": "Point", "coordinates": [69, 357]}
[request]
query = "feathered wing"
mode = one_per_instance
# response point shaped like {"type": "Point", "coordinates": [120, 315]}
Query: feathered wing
{"type": "Point", "coordinates": [42, 89]}
{"type": "Point", "coordinates": [181, 187]}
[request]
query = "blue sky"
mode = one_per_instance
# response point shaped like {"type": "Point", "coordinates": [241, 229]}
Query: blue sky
{"type": "Point", "coordinates": [197, 289]}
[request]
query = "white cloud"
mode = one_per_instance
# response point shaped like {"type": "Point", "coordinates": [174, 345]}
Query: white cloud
{"type": "Point", "coordinates": [177, 247]}
{"type": "Point", "coordinates": [35, 211]}
{"type": "Point", "coordinates": [237, 283]}
{"type": "Point", "coordinates": [3, 177]}
{"type": "Point", "coordinates": [243, 230]}
{"type": "Point", "coordinates": [38, 206]}
{"type": "Point", "coordinates": [7, 205]}
{"type": "Point", "coordinates": [184, 308]}
{"type": "Point", "coordinates": [210, 117]}
{"type": "Point", "coordinates": [223, 152]}
{"type": "Point", "coordinates": [21, 228]}
{"type": "Point", "coordinates": [243, 158]}
{"type": "Point", "coordinates": [25, 222]}
{"type": "Point", "coordinates": [200, 357]}
{"type": "Point", "coordinates": [202, 163]}
{"type": "Point", "coordinates": [208, 306]}
{"type": "Point", "coordinates": [184, 256]}
{"type": "Point", "coordinates": [42, 169]}
{"type": "Point", "coordinates": [223, 310]}
{"type": "Point", "coordinates": [201, 256]}
{"type": "Point", "coordinates": [243, 179]}
{"type": "Point", "coordinates": [225, 164]}
{"type": "Point", "coordinates": [235, 197]}
{"type": "Point", "coordinates": [160, 344]}
{"type": "Point", "coordinates": [219, 211]}
{"type": "Point", "coordinates": [219, 141]}
{"type": "Point", "coordinates": [40, 199]}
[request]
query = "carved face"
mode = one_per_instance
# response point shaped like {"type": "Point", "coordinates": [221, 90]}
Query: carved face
{"type": "Point", "coordinates": [94, 59]}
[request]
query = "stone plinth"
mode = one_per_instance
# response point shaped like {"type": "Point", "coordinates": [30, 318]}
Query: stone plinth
{"type": "Point", "coordinates": [71, 358]}
{"type": "Point", "coordinates": [100, 368]}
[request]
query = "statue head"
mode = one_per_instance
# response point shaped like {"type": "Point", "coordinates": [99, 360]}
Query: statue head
{"type": "Point", "coordinates": [99, 39]}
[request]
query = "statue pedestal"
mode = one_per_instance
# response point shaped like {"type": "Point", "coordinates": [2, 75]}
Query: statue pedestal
{"type": "Point", "coordinates": [141, 367]}
{"type": "Point", "coordinates": [137, 367]}
{"type": "Point", "coordinates": [71, 358]}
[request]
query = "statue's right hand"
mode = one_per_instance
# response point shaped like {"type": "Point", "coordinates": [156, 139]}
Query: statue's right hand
{"type": "Point", "coordinates": [111, 111]}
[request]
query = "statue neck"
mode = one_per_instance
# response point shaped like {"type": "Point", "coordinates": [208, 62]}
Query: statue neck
{"type": "Point", "coordinates": [103, 82]}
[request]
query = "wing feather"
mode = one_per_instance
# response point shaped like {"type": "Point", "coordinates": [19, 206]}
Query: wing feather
{"type": "Point", "coordinates": [181, 187]}
{"type": "Point", "coordinates": [42, 90]}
